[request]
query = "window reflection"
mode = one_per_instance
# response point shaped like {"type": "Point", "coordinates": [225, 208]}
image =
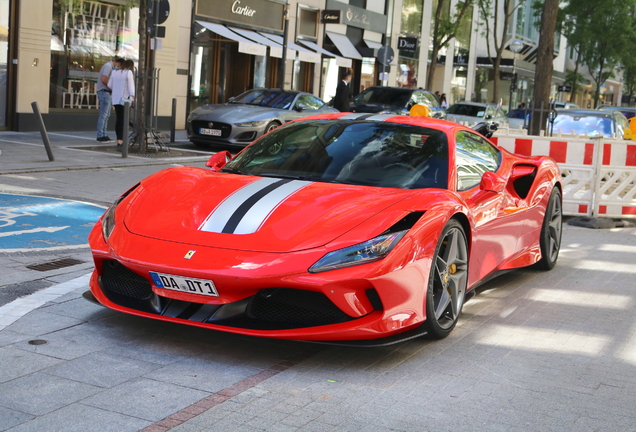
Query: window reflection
{"type": "Point", "coordinates": [474, 156]}
{"type": "Point", "coordinates": [84, 36]}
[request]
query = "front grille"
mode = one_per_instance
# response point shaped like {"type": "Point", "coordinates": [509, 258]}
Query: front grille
{"type": "Point", "coordinates": [121, 280]}
{"type": "Point", "coordinates": [226, 129]}
{"type": "Point", "coordinates": [298, 307]}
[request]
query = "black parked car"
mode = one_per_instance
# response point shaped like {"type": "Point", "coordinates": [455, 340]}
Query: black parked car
{"type": "Point", "coordinates": [395, 100]}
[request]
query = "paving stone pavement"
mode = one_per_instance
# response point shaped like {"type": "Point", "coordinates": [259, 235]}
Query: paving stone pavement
{"type": "Point", "coordinates": [533, 351]}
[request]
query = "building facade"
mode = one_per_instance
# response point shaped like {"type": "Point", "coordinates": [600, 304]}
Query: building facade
{"type": "Point", "coordinates": [51, 52]}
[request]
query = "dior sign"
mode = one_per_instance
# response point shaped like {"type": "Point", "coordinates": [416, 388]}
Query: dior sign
{"type": "Point", "coordinates": [408, 44]}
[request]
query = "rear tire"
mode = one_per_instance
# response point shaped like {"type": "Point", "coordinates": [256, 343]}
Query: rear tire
{"type": "Point", "coordinates": [551, 231]}
{"type": "Point", "coordinates": [447, 281]}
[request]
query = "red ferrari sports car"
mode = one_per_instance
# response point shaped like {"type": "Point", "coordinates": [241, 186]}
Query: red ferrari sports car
{"type": "Point", "coordinates": [339, 227]}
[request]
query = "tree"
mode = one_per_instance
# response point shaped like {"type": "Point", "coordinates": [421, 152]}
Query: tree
{"type": "Point", "coordinates": [445, 28]}
{"type": "Point", "coordinates": [544, 68]}
{"type": "Point", "coordinates": [495, 15]}
{"type": "Point", "coordinates": [602, 32]}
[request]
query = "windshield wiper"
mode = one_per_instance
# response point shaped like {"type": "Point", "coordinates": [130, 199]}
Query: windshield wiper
{"type": "Point", "coordinates": [290, 176]}
{"type": "Point", "coordinates": [234, 171]}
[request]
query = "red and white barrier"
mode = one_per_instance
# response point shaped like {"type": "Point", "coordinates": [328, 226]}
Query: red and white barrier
{"type": "Point", "coordinates": [599, 174]}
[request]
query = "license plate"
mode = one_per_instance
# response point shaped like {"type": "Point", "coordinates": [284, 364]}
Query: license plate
{"type": "Point", "coordinates": [213, 132]}
{"type": "Point", "coordinates": [182, 284]}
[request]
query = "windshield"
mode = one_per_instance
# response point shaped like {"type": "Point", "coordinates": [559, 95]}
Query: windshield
{"type": "Point", "coordinates": [592, 125]}
{"type": "Point", "coordinates": [469, 110]}
{"type": "Point", "coordinates": [350, 152]}
{"type": "Point", "coordinates": [266, 98]}
{"type": "Point", "coordinates": [385, 96]}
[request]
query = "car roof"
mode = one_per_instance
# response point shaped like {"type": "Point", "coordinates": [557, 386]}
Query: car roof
{"type": "Point", "coordinates": [583, 112]}
{"type": "Point", "coordinates": [615, 108]}
{"type": "Point", "coordinates": [478, 104]}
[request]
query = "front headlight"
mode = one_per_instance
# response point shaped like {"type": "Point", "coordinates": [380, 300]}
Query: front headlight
{"type": "Point", "coordinates": [108, 221]}
{"type": "Point", "coordinates": [362, 253]}
{"type": "Point", "coordinates": [251, 124]}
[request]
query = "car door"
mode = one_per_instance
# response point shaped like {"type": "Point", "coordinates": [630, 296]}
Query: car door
{"type": "Point", "coordinates": [497, 229]}
{"type": "Point", "coordinates": [304, 105]}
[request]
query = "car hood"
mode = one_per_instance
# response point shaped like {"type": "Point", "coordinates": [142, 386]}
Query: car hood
{"type": "Point", "coordinates": [233, 113]}
{"type": "Point", "coordinates": [201, 207]}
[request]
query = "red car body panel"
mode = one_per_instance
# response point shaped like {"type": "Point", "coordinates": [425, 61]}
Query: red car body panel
{"type": "Point", "coordinates": [159, 223]}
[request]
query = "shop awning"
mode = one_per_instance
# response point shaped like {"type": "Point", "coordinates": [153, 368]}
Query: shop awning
{"type": "Point", "coordinates": [371, 44]}
{"type": "Point", "coordinates": [275, 48]}
{"type": "Point", "coordinates": [340, 61]}
{"type": "Point", "coordinates": [344, 45]}
{"type": "Point", "coordinates": [245, 45]}
{"type": "Point", "coordinates": [304, 54]}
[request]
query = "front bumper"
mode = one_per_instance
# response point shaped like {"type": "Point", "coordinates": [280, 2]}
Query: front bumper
{"type": "Point", "coordinates": [260, 294]}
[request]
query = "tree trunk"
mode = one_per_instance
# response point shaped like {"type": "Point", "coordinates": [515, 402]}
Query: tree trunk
{"type": "Point", "coordinates": [142, 82]}
{"type": "Point", "coordinates": [544, 68]}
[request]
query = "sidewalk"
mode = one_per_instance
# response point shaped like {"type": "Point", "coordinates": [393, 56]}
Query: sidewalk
{"type": "Point", "coordinates": [533, 351]}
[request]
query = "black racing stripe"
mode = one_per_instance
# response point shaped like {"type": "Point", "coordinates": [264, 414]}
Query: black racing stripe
{"type": "Point", "coordinates": [235, 219]}
{"type": "Point", "coordinates": [364, 117]}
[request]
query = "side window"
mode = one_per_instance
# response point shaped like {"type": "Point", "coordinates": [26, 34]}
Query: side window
{"type": "Point", "coordinates": [473, 157]}
{"type": "Point", "coordinates": [431, 100]}
{"type": "Point", "coordinates": [308, 102]}
{"type": "Point", "coordinates": [621, 125]}
{"type": "Point", "coordinates": [490, 113]}
{"type": "Point", "coordinates": [416, 98]}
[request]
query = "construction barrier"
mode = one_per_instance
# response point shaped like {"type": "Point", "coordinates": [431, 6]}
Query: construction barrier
{"type": "Point", "coordinates": [599, 174]}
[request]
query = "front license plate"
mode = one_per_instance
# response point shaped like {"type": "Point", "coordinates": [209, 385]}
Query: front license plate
{"type": "Point", "coordinates": [187, 285]}
{"type": "Point", "coordinates": [213, 132]}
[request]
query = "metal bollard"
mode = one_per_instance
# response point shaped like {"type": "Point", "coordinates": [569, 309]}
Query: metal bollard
{"type": "Point", "coordinates": [173, 120]}
{"type": "Point", "coordinates": [45, 136]}
{"type": "Point", "coordinates": [124, 144]}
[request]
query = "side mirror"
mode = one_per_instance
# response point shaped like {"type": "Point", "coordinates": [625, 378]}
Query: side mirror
{"type": "Point", "coordinates": [488, 116]}
{"type": "Point", "coordinates": [219, 160]}
{"type": "Point", "coordinates": [300, 108]}
{"type": "Point", "coordinates": [492, 182]}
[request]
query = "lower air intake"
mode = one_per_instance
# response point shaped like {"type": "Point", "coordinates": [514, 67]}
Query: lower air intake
{"type": "Point", "coordinates": [117, 278]}
{"type": "Point", "coordinates": [297, 307]}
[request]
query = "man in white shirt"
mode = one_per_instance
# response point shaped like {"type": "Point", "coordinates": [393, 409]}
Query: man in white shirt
{"type": "Point", "coordinates": [105, 100]}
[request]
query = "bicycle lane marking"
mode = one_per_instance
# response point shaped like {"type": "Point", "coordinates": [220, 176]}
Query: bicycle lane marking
{"type": "Point", "coordinates": [32, 223]}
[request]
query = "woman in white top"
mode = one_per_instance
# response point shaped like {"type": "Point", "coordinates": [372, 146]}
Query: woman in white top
{"type": "Point", "coordinates": [443, 101]}
{"type": "Point", "coordinates": [122, 84]}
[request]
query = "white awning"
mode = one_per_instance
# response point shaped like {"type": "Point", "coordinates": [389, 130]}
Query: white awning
{"type": "Point", "coordinates": [275, 48]}
{"type": "Point", "coordinates": [373, 45]}
{"type": "Point", "coordinates": [245, 45]}
{"type": "Point", "coordinates": [344, 45]}
{"type": "Point", "coordinates": [303, 53]}
{"type": "Point", "coordinates": [340, 61]}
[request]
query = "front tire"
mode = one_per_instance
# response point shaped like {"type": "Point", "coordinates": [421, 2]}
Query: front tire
{"type": "Point", "coordinates": [551, 231]}
{"type": "Point", "coordinates": [447, 282]}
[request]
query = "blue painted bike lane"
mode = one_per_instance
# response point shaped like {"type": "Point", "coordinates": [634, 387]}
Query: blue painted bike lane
{"type": "Point", "coordinates": [32, 223]}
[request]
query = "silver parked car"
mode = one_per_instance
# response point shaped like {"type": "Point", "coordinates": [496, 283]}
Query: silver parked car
{"type": "Point", "coordinates": [250, 115]}
{"type": "Point", "coordinates": [475, 112]}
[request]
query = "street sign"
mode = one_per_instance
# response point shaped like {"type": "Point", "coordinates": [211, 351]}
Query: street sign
{"type": "Point", "coordinates": [157, 12]}
{"type": "Point", "coordinates": [330, 16]}
{"type": "Point", "coordinates": [32, 223]}
{"type": "Point", "coordinates": [385, 55]}
{"type": "Point", "coordinates": [565, 89]}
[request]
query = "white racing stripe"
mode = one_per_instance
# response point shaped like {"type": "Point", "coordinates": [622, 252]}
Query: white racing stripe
{"type": "Point", "coordinates": [244, 211]}
{"type": "Point", "coordinates": [258, 214]}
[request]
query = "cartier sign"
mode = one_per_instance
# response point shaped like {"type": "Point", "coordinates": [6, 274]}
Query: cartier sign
{"type": "Point", "coordinates": [267, 14]}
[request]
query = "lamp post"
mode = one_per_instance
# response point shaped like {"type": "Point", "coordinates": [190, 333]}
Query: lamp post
{"type": "Point", "coordinates": [283, 62]}
{"type": "Point", "coordinates": [515, 46]}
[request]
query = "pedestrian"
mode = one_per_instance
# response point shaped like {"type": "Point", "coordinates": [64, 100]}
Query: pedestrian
{"type": "Point", "coordinates": [437, 95]}
{"type": "Point", "coordinates": [104, 98]}
{"type": "Point", "coordinates": [342, 100]}
{"type": "Point", "coordinates": [443, 102]}
{"type": "Point", "coordinates": [122, 84]}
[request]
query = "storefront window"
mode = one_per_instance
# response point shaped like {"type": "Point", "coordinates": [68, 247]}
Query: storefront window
{"type": "Point", "coordinates": [307, 22]}
{"type": "Point", "coordinates": [4, 63]}
{"type": "Point", "coordinates": [367, 75]}
{"type": "Point", "coordinates": [84, 36]}
{"type": "Point", "coordinates": [408, 43]}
